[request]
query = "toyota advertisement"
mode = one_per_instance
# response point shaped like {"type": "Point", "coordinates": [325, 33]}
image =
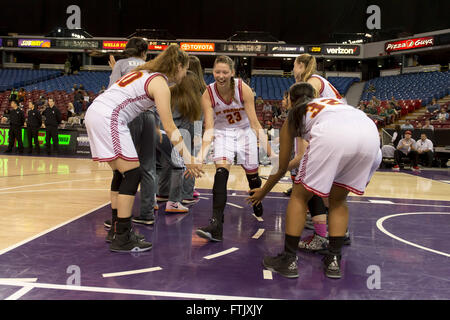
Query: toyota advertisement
{"type": "Point", "coordinates": [409, 44]}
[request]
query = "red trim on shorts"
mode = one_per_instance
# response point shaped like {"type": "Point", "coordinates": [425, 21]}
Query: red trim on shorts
{"type": "Point", "coordinates": [114, 124]}
{"type": "Point", "coordinates": [351, 189]}
{"type": "Point", "coordinates": [114, 158]}
{"type": "Point", "coordinates": [157, 74]}
{"type": "Point", "coordinates": [252, 171]}
{"type": "Point", "coordinates": [310, 189]}
{"type": "Point", "coordinates": [211, 96]}
{"type": "Point", "coordinates": [220, 97]}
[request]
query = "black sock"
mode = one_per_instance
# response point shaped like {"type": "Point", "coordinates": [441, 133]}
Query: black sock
{"type": "Point", "coordinates": [291, 244]}
{"type": "Point", "coordinates": [114, 214]}
{"type": "Point", "coordinates": [335, 245]}
{"type": "Point", "coordinates": [122, 225]}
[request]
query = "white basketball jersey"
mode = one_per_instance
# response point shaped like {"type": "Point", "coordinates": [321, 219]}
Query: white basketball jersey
{"type": "Point", "coordinates": [324, 108]}
{"type": "Point", "coordinates": [326, 89]}
{"type": "Point", "coordinates": [231, 114]}
{"type": "Point", "coordinates": [127, 97]}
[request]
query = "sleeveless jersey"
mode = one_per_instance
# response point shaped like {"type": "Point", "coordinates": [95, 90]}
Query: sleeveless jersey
{"type": "Point", "coordinates": [127, 97]}
{"type": "Point", "coordinates": [228, 115]}
{"type": "Point", "coordinates": [326, 89]}
{"type": "Point", "coordinates": [325, 108]}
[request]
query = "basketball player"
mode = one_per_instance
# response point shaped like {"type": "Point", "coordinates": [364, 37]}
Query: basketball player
{"type": "Point", "coordinates": [336, 161]}
{"type": "Point", "coordinates": [110, 138]}
{"type": "Point", "coordinates": [230, 117]}
{"type": "Point", "coordinates": [143, 127]}
{"type": "Point", "coordinates": [304, 70]}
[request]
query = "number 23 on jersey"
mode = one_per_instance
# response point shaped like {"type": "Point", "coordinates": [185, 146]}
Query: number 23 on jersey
{"type": "Point", "coordinates": [315, 107]}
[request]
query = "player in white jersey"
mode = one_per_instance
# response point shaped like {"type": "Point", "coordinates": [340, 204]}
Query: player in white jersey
{"type": "Point", "coordinates": [305, 71]}
{"type": "Point", "coordinates": [110, 139]}
{"type": "Point", "coordinates": [342, 155]}
{"type": "Point", "coordinates": [230, 118]}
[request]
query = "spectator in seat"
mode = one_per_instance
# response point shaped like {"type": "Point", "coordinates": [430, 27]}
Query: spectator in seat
{"type": "Point", "coordinates": [428, 125]}
{"type": "Point", "coordinates": [75, 88]}
{"type": "Point", "coordinates": [424, 149]}
{"type": "Point", "coordinates": [13, 95]}
{"type": "Point", "coordinates": [21, 95]}
{"type": "Point", "coordinates": [78, 99]}
{"type": "Point", "coordinates": [442, 116]}
{"type": "Point", "coordinates": [5, 117]}
{"type": "Point", "coordinates": [433, 108]}
{"type": "Point", "coordinates": [407, 125]}
{"type": "Point", "coordinates": [406, 148]}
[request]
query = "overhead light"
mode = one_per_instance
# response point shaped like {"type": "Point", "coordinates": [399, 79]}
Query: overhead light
{"type": "Point", "coordinates": [328, 60]}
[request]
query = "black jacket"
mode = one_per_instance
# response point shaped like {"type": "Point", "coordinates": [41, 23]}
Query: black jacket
{"type": "Point", "coordinates": [34, 119]}
{"type": "Point", "coordinates": [16, 117]}
{"type": "Point", "coordinates": [52, 116]}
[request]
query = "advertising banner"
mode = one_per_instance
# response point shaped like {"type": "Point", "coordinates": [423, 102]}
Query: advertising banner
{"type": "Point", "coordinates": [33, 43]}
{"type": "Point", "coordinates": [409, 44]}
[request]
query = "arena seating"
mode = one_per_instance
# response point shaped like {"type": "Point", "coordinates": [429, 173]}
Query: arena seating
{"type": "Point", "coordinates": [17, 78]}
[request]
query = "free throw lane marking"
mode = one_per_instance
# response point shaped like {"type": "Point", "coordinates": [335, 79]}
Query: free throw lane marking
{"type": "Point", "coordinates": [125, 273]}
{"type": "Point", "coordinates": [267, 275]}
{"type": "Point", "coordinates": [381, 201]}
{"type": "Point", "coordinates": [235, 205]}
{"type": "Point", "coordinates": [19, 293]}
{"type": "Point", "coordinates": [382, 229]}
{"type": "Point", "coordinates": [222, 253]}
{"type": "Point", "coordinates": [258, 234]}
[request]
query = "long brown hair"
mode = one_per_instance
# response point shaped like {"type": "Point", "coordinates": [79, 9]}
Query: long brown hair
{"type": "Point", "coordinates": [310, 65]}
{"type": "Point", "coordinates": [227, 60]}
{"type": "Point", "coordinates": [196, 67]}
{"type": "Point", "coordinates": [167, 61]}
{"type": "Point", "coordinates": [300, 94]}
{"type": "Point", "coordinates": [186, 97]}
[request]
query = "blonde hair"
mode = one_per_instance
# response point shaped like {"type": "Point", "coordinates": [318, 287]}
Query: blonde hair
{"type": "Point", "coordinates": [310, 65]}
{"type": "Point", "coordinates": [227, 60]}
{"type": "Point", "coordinates": [186, 97]}
{"type": "Point", "coordinates": [167, 62]}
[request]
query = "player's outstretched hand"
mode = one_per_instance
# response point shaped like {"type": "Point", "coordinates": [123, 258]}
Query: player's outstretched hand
{"type": "Point", "coordinates": [194, 170]}
{"type": "Point", "coordinates": [256, 196]}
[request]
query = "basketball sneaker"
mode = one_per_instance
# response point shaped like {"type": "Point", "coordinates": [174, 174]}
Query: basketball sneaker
{"type": "Point", "coordinates": [314, 243]}
{"type": "Point", "coordinates": [110, 235]}
{"type": "Point", "coordinates": [129, 242]}
{"type": "Point", "coordinates": [284, 264]}
{"type": "Point", "coordinates": [332, 266]}
{"type": "Point", "coordinates": [258, 210]}
{"type": "Point", "coordinates": [396, 168]}
{"type": "Point", "coordinates": [176, 207]}
{"type": "Point", "coordinates": [212, 232]}
{"type": "Point", "coordinates": [196, 194]}
{"type": "Point", "coordinates": [145, 221]}
{"type": "Point", "coordinates": [107, 224]}
{"type": "Point", "coordinates": [416, 169]}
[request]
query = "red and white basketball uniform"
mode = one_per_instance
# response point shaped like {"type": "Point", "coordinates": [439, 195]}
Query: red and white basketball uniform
{"type": "Point", "coordinates": [108, 116]}
{"type": "Point", "coordinates": [344, 148]}
{"type": "Point", "coordinates": [232, 132]}
{"type": "Point", "coordinates": [327, 90]}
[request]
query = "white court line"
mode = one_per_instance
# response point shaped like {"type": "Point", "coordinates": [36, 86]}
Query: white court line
{"type": "Point", "coordinates": [382, 229]}
{"type": "Point", "coordinates": [56, 182]}
{"type": "Point", "coordinates": [381, 201]}
{"type": "Point", "coordinates": [19, 293]}
{"type": "Point", "coordinates": [51, 229]}
{"type": "Point", "coordinates": [267, 274]}
{"type": "Point", "coordinates": [125, 273]}
{"type": "Point", "coordinates": [222, 253]}
{"type": "Point", "coordinates": [258, 234]}
{"type": "Point", "coordinates": [129, 291]}
{"type": "Point", "coordinates": [51, 190]}
{"type": "Point", "coordinates": [260, 219]}
{"type": "Point", "coordinates": [19, 279]}
{"type": "Point", "coordinates": [203, 198]}
{"type": "Point", "coordinates": [235, 205]}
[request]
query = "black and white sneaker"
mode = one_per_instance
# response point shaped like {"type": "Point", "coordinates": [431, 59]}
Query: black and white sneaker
{"type": "Point", "coordinates": [212, 232]}
{"type": "Point", "coordinates": [129, 242]}
{"type": "Point", "coordinates": [332, 266]}
{"type": "Point", "coordinates": [110, 235]}
{"type": "Point", "coordinates": [107, 224]}
{"type": "Point", "coordinates": [258, 210]}
{"type": "Point", "coordinates": [284, 264]}
{"type": "Point", "coordinates": [143, 220]}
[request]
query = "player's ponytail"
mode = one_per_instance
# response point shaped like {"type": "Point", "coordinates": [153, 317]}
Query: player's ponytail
{"type": "Point", "coordinates": [310, 65]}
{"type": "Point", "coordinates": [300, 94]}
{"type": "Point", "coordinates": [167, 61]}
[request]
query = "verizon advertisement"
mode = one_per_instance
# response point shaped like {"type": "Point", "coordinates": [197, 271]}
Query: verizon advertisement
{"type": "Point", "coordinates": [341, 50]}
{"type": "Point", "coordinates": [409, 44]}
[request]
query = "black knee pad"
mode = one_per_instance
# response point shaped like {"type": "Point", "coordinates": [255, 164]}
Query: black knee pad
{"type": "Point", "coordinates": [116, 181]}
{"type": "Point", "coordinates": [254, 181]}
{"type": "Point", "coordinates": [130, 182]}
{"type": "Point", "coordinates": [316, 206]}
